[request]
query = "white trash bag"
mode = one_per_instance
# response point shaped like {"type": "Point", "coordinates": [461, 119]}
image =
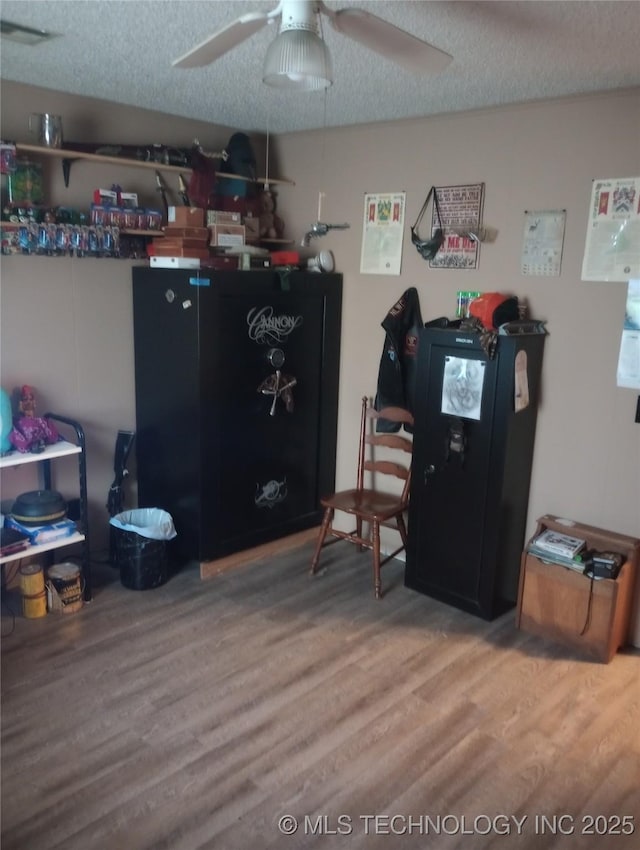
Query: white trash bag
{"type": "Point", "coordinates": [152, 523]}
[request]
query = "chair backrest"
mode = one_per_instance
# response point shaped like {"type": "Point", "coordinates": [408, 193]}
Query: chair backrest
{"type": "Point", "coordinates": [403, 446]}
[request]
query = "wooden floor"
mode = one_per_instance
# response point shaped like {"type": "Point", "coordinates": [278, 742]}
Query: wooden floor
{"type": "Point", "coordinates": [202, 714]}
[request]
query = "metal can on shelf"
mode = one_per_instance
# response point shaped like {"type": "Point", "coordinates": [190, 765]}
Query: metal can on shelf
{"type": "Point", "coordinates": [25, 184]}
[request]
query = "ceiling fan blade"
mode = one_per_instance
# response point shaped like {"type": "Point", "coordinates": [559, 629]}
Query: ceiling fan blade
{"type": "Point", "coordinates": [222, 41]}
{"type": "Point", "coordinates": [401, 47]}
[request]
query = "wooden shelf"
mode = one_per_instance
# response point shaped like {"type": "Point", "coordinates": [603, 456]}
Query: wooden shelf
{"type": "Point", "coordinates": [61, 153]}
{"type": "Point", "coordinates": [68, 156]}
{"type": "Point", "coordinates": [265, 181]}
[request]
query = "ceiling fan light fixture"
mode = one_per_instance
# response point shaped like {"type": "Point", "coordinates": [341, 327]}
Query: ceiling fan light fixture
{"type": "Point", "coordinates": [22, 34]}
{"type": "Point", "coordinates": [298, 60]}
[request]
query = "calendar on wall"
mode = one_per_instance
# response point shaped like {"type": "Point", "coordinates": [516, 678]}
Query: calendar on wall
{"type": "Point", "coordinates": [542, 242]}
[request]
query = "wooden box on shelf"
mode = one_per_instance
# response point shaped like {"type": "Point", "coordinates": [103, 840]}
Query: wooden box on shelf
{"type": "Point", "coordinates": [566, 606]}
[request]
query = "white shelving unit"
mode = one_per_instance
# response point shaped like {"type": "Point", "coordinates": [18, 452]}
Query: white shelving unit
{"type": "Point", "coordinates": [62, 448]}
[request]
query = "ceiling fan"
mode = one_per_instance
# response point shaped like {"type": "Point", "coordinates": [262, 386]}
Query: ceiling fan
{"type": "Point", "coordinates": [300, 19]}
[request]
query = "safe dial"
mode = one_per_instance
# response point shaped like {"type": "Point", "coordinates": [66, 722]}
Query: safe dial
{"type": "Point", "coordinates": [275, 356]}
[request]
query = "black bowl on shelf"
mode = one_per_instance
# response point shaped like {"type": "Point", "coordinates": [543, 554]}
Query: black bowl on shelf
{"type": "Point", "coordinates": [39, 507]}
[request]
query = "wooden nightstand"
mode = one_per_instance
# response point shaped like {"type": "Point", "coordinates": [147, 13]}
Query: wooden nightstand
{"type": "Point", "coordinates": [561, 604]}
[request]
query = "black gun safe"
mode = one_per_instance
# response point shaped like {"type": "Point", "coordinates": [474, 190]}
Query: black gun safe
{"type": "Point", "coordinates": [471, 469]}
{"type": "Point", "coordinates": [236, 402]}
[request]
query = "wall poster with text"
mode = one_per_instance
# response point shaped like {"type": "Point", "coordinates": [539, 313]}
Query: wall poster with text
{"type": "Point", "coordinates": [612, 244]}
{"type": "Point", "coordinates": [382, 229]}
{"type": "Point", "coordinates": [461, 211]}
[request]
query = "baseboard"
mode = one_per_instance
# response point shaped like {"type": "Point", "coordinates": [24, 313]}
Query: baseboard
{"type": "Point", "coordinates": [209, 569]}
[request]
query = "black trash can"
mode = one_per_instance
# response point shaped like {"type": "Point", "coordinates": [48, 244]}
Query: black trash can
{"type": "Point", "coordinates": [142, 559]}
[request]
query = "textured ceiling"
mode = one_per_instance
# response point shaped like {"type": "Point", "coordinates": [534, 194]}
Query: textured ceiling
{"type": "Point", "coordinates": [504, 52]}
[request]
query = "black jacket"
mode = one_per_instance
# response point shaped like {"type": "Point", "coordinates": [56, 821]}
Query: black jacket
{"type": "Point", "coordinates": [396, 375]}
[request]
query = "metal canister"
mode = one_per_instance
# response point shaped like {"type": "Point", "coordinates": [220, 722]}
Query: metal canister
{"type": "Point", "coordinates": [34, 597]}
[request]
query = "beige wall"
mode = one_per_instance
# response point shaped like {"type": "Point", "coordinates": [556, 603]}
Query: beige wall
{"type": "Point", "coordinates": [67, 323]}
{"type": "Point", "coordinates": [539, 156]}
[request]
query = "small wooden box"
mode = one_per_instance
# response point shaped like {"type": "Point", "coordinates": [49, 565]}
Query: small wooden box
{"type": "Point", "coordinates": [173, 232]}
{"type": "Point", "coordinates": [186, 216]}
{"type": "Point", "coordinates": [226, 235]}
{"type": "Point", "coordinates": [559, 603]}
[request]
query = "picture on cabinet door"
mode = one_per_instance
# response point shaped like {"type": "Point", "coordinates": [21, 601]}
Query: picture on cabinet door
{"type": "Point", "coordinates": [271, 494]}
{"type": "Point", "coordinates": [462, 385]}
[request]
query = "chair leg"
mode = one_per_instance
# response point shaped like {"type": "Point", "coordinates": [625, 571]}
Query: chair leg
{"type": "Point", "coordinates": [359, 533]}
{"type": "Point", "coordinates": [375, 539]}
{"type": "Point", "coordinates": [402, 528]}
{"type": "Point", "coordinates": [326, 522]}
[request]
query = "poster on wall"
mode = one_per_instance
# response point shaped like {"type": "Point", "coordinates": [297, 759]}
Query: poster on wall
{"type": "Point", "coordinates": [542, 242]}
{"type": "Point", "coordinates": [382, 231]}
{"type": "Point", "coordinates": [629, 357]}
{"type": "Point", "coordinates": [461, 211]}
{"type": "Point", "coordinates": [612, 244]}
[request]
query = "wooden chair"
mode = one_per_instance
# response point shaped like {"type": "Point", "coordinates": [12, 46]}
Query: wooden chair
{"type": "Point", "coordinates": [372, 505]}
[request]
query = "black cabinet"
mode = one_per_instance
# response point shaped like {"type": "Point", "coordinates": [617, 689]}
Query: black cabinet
{"type": "Point", "coordinates": [473, 450]}
{"type": "Point", "coordinates": [236, 402]}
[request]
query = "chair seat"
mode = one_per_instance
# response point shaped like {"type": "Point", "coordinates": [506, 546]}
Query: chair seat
{"type": "Point", "coordinates": [369, 504]}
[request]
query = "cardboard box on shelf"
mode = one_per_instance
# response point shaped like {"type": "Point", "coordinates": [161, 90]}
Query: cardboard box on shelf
{"type": "Point", "coordinates": [128, 200]}
{"type": "Point", "coordinates": [40, 534]}
{"type": "Point", "coordinates": [107, 197]}
{"type": "Point", "coordinates": [223, 217]}
{"type": "Point", "coordinates": [186, 216]}
{"type": "Point", "coordinates": [227, 235]}
{"type": "Point", "coordinates": [169, 242]}
{"type": "Point", "coordinates": [170, 251]}
{"type": "Point", "coordinates": [173, 231]}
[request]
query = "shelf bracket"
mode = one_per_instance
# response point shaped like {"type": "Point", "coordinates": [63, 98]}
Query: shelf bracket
{"type": "Point", "coordinates": [66, 169]}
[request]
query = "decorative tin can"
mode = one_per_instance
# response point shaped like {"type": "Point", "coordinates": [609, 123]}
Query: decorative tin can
{"type": "Point", "coordinates": [25, 184]}
{"type": "Point", "coordinates": [34, 600]}
{"type": "Point", "coordinates": [64, 588]}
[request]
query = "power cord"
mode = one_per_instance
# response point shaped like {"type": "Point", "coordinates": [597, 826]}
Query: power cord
{"type": "Point", "coordinates": [587, 621]}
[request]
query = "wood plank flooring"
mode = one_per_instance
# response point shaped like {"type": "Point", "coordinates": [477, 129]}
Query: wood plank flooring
{"type": "Point", "coordinates": [198, 714]}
